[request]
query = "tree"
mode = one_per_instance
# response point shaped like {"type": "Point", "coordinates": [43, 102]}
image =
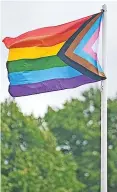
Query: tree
{"type": "Point", "coordinates": [77, 129]}
{"type": "Point", "coordinates": [112, 144]}
{"type": "Point", "coordinates": [30, 161]}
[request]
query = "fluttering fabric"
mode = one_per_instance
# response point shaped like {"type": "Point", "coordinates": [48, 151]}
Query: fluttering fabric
{"type": "Point", "coordinates": [55, 58]}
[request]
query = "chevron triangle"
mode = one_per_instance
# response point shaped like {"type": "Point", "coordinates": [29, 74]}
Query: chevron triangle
{"type": "Point", "coordinates": [80, 51]}
{"type": "Point", "coordinates": [91, 47]}
{"type": "Point", "coordinates": [84, 48]}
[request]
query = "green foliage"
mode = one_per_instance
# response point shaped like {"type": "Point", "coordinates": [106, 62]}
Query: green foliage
{"type": "Point", "coordinates": [112, 144]}
{"type": "Point", "coordinates": [63, 158]}
{"type": "Point", "coordinates": [30, 161]}
{"type": "Point", "coordinates": [77, 129]}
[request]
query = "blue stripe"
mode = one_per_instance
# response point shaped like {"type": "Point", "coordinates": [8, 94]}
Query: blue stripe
{"type": "Point", "coordinates": [79, 49]}
{"type": "Point", "coordinates": [21, 78]}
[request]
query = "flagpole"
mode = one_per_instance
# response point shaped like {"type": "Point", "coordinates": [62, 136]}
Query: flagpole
{"type": "Point", "coordinates": [104, 108]}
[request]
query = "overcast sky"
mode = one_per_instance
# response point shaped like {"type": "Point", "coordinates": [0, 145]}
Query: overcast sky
{"type": "Point", "coordinates": [19, 17]}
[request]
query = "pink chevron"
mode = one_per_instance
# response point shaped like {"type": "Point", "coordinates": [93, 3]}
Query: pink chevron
{"type": "Point", "coordinates": [88, 48]}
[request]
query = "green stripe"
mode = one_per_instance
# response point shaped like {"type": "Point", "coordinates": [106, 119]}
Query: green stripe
{"type": "Point", "coordinates": [34, 64]}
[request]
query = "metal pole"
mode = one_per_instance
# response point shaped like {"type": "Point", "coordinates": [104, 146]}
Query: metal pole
{"type": "Point", "coordinates": [104, 108]}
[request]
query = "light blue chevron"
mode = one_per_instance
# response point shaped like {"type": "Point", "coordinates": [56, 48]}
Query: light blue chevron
{"type": "Point", "coordinates": [79, 49]}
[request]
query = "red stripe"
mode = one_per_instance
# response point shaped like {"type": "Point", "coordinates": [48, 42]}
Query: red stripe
{"type": "Point", "coordinates": [46, 36]}
{"type": "Point", "coordinates": [43, 42]}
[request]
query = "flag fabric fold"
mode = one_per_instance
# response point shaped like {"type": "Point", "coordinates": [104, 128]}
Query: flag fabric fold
{"type": "Point", "coordinates": [55, 58]}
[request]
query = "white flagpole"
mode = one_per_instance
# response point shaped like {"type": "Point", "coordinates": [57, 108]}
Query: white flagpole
{"type": "Point", "coordinates": [104, 108]}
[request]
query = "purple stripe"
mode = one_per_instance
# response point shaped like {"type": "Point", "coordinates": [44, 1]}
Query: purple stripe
{"type": "Point", "coordinates": [48, 86]}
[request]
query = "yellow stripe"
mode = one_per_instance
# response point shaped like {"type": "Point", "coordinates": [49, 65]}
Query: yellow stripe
{"type": "Point", "coordinates": [33, 52]}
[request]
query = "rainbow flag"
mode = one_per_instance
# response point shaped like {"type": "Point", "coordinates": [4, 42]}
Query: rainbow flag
{"type": "Point", "coordinates": [54, 58]}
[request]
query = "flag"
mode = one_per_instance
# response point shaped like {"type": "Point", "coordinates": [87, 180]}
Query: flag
{"type": "Point", "coordinates": [55, 58]}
